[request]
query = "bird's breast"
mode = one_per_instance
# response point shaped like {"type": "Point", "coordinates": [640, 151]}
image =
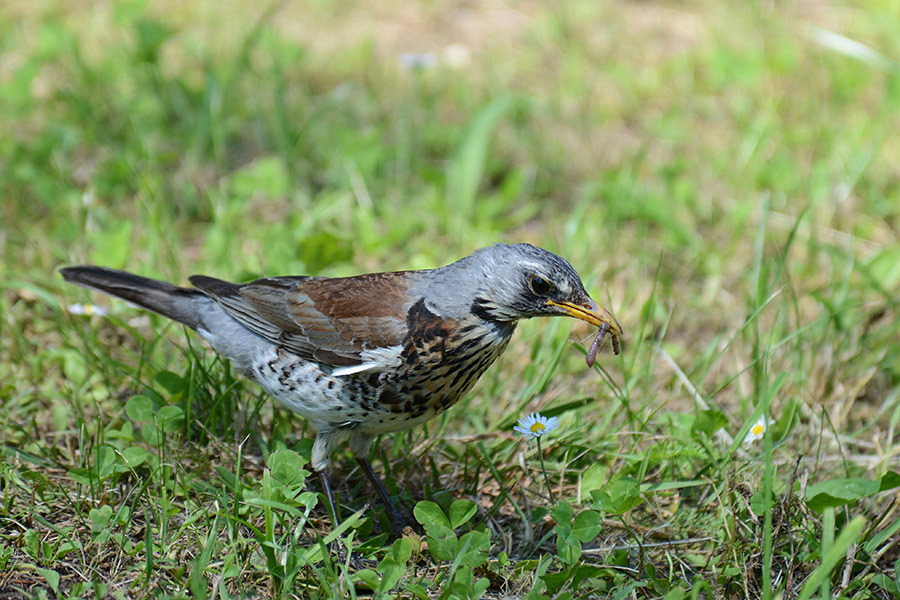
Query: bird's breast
{"type": "Point", "coordinates": [441, 360]}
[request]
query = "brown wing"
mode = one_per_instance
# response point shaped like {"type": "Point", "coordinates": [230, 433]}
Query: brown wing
{"type": "Point", "coordinates": [324, 319]}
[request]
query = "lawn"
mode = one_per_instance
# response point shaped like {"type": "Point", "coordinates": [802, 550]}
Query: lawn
{"type": "Point", "coordinates": [723, 175]}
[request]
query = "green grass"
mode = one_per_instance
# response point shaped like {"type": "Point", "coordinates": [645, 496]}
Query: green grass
{"type": "Point", "coordinates": [723, 176]}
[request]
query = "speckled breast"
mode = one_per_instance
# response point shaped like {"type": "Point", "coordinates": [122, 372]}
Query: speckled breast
{"type": "Point", "coordinates": [438, 367]}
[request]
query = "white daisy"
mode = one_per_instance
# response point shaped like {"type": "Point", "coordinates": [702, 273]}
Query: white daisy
{"type": "Point", "coordinates": [757, 431]}
{"type": "Point", "coordinates": [535, 425]}
{"type": "Point", "coordinates": [86, 309]}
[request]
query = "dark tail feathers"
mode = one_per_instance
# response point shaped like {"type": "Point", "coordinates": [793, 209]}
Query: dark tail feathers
{"type": "Point", "coordinates": [168, 300]}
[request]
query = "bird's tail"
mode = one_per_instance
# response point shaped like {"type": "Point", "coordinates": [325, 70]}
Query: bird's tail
{"type": "Point", "coordinates": [168, 300]}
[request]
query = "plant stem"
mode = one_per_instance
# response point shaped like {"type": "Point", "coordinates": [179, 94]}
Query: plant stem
{"type": "Point", "coordinates": [544, 470]}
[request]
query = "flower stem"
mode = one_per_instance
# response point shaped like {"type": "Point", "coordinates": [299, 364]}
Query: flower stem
{"type": "Point", "coordinates": [544, 470]}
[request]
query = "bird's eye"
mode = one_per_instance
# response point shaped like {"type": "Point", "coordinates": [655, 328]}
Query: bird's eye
{"type": "Point", "coordinates": [540, 286]}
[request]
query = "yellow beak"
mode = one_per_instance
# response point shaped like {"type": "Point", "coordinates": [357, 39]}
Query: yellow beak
{"type": "Point", "coordinates": [590, 312]}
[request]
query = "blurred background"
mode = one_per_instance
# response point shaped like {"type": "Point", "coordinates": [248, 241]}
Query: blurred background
{"type": "Point", "coordinates": [338, 136]}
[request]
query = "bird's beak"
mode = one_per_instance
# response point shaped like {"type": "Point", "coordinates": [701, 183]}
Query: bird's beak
{"type": "Point", "coordinates": [591, 312]}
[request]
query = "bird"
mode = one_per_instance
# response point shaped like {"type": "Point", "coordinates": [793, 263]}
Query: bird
{"type": "Point", "coordinates": [368, 354]}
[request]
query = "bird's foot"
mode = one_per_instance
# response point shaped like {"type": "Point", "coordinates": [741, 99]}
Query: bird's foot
{"type": "Point", "coordinates": [340, 555]}
{"type": "Point", "coordinates": [403, 527]}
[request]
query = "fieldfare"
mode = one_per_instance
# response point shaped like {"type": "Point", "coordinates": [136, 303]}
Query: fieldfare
{"type": "Point", "coordinates": [371, 354]}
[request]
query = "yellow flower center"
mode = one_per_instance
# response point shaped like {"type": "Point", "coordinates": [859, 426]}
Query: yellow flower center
{"type": "Point", "coordinates": [758, 429]}
{"type": "Point", "coordinates": [537, 428]}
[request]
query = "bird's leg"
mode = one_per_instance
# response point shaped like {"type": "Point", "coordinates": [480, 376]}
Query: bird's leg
{"type": "Point", "coordinates": [338, 551]}
{"type": "Point", "coordinates": [321, 451]}
{"type": "Point", "coordinates": [398, 522]}
{"type": "Point", "coordinates": [360, 444]}
{"type": "Point", "coordinates": [332, 507]}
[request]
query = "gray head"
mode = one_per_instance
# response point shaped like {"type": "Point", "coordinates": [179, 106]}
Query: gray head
{"type": "Point", "coordinates": [510, 282]}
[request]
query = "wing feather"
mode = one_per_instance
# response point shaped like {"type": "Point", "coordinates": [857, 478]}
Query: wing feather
{"type": "Point", "coordinates": [333, 321]}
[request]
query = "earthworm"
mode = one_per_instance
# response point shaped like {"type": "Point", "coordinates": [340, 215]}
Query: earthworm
{"type": "Point", "coordinates": [598, 341]}
{"type": "Point", "coordinates": [595, 347]}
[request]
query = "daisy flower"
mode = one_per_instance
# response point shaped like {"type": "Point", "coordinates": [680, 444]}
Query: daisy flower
{"type": "Point", "coordinates": [757, 431]}
{"type": "Point", "coordinates": [86, 309]}
{"type": "Point", "coordinates": [535, 425]}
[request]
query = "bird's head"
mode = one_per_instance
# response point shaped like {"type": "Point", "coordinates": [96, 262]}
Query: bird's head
{"type": "Point", "coordinates": [522, 281]}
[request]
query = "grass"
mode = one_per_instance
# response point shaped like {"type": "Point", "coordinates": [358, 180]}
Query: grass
{"type": "Point", "coordinates": [723, 176]}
